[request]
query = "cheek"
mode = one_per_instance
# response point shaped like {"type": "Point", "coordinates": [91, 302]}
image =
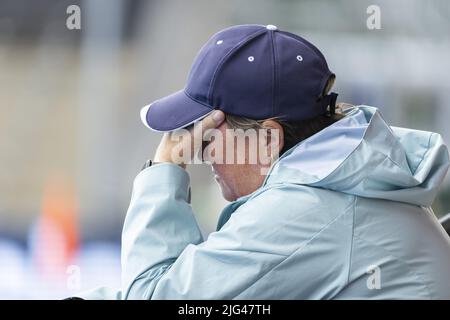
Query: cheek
{"type": "Point", "coordinates": [226, 181]}
{"type": "Point", "coordinates": [225, 175]}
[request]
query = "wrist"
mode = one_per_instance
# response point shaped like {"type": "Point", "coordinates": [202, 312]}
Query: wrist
{"type": "Point", "coordinates": [157, 160]}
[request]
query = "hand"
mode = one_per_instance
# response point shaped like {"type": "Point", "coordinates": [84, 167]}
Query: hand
{"type": "Point", "coordinates": [181, 145]}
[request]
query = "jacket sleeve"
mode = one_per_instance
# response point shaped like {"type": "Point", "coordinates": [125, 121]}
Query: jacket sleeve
{"type": "Point", "coordinates": [158, 226]}
{"type": "Point", "coordinates": [163, 252]}
{"type": "Point", "coordinates": [165, 257]}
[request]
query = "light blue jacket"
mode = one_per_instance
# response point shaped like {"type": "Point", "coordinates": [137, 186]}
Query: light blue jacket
{"type": "Point", "coordinates": [344, 214]}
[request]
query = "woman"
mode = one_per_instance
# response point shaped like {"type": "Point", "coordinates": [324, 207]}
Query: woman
{"type": "Point", "coordinates": [343, 212]}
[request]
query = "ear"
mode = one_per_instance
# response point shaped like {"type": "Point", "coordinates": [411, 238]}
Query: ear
{"type": "Point", "coordinates": [274, 128]}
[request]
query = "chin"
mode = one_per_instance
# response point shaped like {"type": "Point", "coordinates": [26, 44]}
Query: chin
{"type": "Point", "coordinates": [228, 197]}
{"type": "Point", "coordinates": [226, 193]}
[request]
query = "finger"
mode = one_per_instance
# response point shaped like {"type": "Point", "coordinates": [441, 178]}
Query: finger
{"type": "Point", "coordinates": [213, 120]}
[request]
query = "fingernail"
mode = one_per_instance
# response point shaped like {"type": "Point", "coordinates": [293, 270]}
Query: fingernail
{"type": "Point", "coordinates": [218, 116]}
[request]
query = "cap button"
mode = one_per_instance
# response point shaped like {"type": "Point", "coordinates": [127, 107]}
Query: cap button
{"type": "Point", "coordinates": [271, 27]}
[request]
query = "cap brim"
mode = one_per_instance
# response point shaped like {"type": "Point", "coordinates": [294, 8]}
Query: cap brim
{"type": "Point", "coordinates": [173, 112]}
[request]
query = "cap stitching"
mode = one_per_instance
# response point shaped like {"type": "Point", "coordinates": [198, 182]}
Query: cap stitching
{"type": "Point", "coordinates": [234, 49]}
{"type": "Point", "coordinates": [195, 100]}
{"type": "Point", "coordinates": [181, 122]}
{"type": "Point", "coordinates": [274, 75]}
{"type": "Point", "coordinates": [305, 43]}
{"type": "Point", "coordinates": [192, 118]}
{"type": "Point", "coordinates": [318, 54]}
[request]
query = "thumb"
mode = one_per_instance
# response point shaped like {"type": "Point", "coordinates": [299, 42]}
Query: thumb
{"type": "Point", "coordinates": [213, 120]}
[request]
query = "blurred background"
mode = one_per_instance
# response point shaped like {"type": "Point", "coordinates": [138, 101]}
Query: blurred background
{"type": "Point", "coordinates": [71, 141]}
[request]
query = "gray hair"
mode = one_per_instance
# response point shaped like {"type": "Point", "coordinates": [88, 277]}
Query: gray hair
{"type": "Point", "coordinates": [294, 131]}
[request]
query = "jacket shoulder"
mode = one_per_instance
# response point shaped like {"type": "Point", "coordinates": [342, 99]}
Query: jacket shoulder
{"type": "Point", "coordinates": [289, 215]}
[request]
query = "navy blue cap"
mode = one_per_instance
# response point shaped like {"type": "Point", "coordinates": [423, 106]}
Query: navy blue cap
{"type": "Point", "coordinates": [253, 71]}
